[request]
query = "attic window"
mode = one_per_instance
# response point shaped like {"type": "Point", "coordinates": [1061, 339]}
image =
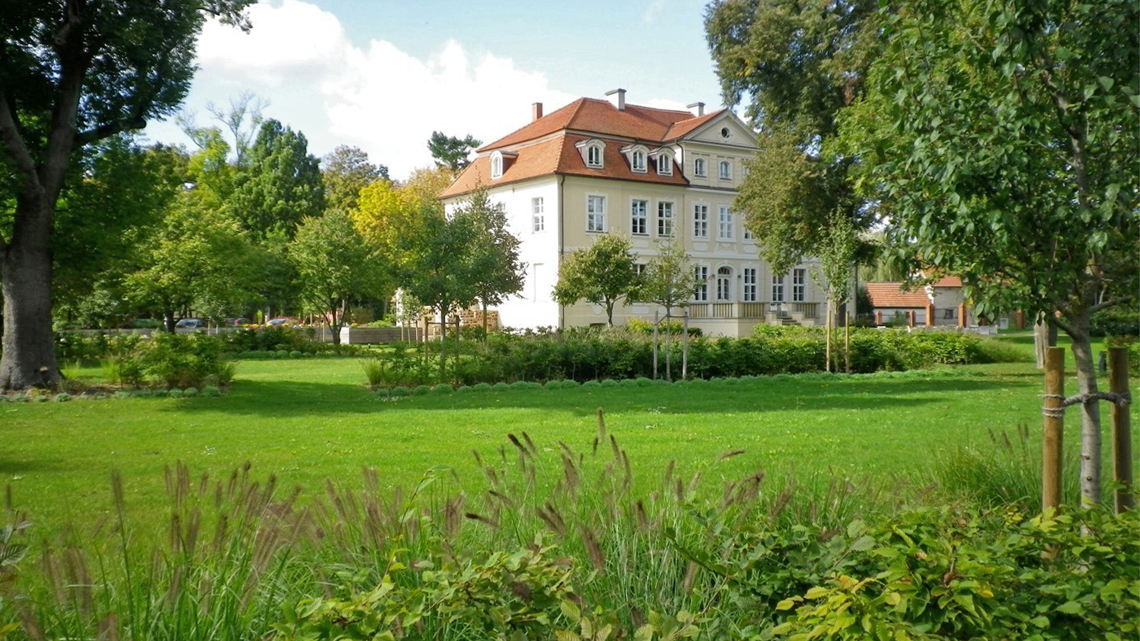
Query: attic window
{"type": "Point", "coordinates": [664, 158]}
{"type": "Point", "coordinates": [637, 156]}
{"type": "Point", "coordinates": [726, 133]}
{"type": "Point", "coordinates": [592, 152]}
{"type": "Point", "coordinates": [496, 165]}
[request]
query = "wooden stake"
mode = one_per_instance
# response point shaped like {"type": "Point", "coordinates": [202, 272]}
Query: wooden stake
{"type": "Point", "coordinates": [1053, 429]}
{"type": "Point", "coordinates": [655, 321]}
{"type": "Point", "coordinates": [1121, 430]}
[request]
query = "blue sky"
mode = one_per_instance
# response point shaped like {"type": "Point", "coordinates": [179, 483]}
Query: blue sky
{"type": "Point", "coordinates": [383, 75]}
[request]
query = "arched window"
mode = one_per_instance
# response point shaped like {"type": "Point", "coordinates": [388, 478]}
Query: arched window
{"type": "Point", "coordinates": [724, 285]}
{"type": "Point", "coordinates": [725, 170]}
{"type": "Point", "coordinates": [638, 160]}
{"type": "Point", "coordinates": [594, 156]}
{"type": "Point", "coordinates": [700, 168]}
{"type": "Point", "coordinates": [496, 165]}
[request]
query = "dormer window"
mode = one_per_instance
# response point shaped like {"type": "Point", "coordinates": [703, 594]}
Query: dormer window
{"type": "Point", "coordinates": [664, 158]}
{"type": "Point", "coordinates": [592, 152]}
{"type": "Point", "coordinates": [496, 165]}
{"type": "Point", "coordinates": [700, 168]}
{"type": "Point", "coordinates": [637, 156]}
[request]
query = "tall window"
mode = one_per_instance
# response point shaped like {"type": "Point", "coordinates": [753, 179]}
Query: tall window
{"type": "Point", "coordinates": [750, 289]}
{"type": "Point", "coordinates": [700, 168]}
{"type": "Point", "coordinates": [665, 219]}
{"type": "Point", "coordinates": [639, 161]}
{"type": "Point", "coordinates": [700, 221]}
{"type": "Point", "coordinates": [777, 288]}
{"type": "Point", "coordinates": [799, 285]}
{"type": "Point", "coordinates": [596, 213]}
{"type": "Point", "coordinates": [725, 170]}
{"type": "Point", "coordinates": [747, 232]}
{"type": "Point", "coordinates": [638, 218]}
{"type": "Point", "coordinates": [664, 164]}
{"type": "Point", "coordinates": [594, 156]}
{"type": "Point", "coordinates": [724, 284]}
{"type": "Point", "coordinates": [496, 165]}
{"type": "Point", "coordinates": [701, 293]}
{"type": "Point", "coordinates": [724, 227]}
{"type": "Point", "coordinates": [537, 209]}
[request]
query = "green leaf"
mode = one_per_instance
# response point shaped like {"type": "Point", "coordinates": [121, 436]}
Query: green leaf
{"type": "Point", "coordinates": [1040, 621]}
{"type": "Point", "coordinates": [1071, 607]}
{"type": "Point", "coordinates": [786, 604]}
{"type": "Point", "coordinates": [1106, 82]}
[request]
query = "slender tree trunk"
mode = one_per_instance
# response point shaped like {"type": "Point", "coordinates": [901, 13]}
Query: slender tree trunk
{"type": "Point", "coordinates": [846, 341]}
{"type": "Point", "coordinates": [484, 303]}
{"type": "Point", "coordinates": [442, 340]}
{"type": "Point", "coordinates": [334, 328]}
{"type": "Point", "coordinates": [1090, 411]}
{"type": "Point", "coordinates": [827, 328]}
{"type": "Point", "coordinates": [168, 320]}
{"type": "Point", "coordinates": [29, 349]}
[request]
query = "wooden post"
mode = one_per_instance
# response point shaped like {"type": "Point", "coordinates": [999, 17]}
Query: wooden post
{"type": "Point", "coordinates": [878, 318]}
{"type": "Point", "coordinates": [1121, 430]}
{"type": "Point", "coordinates": [910, 318]}
{"type": "Point", "coordinates": [962, 315]}
{"type": "Point", "coordinates": [930, 315]}
{"type": "Point", "coordinates": [655, 321]}
{"type": "Point", "coordinates": [685, 349]}
{"type": "Point", "coordinates": [1019, 319]}
{"type": "Point", "coordinates": [1054, 427]}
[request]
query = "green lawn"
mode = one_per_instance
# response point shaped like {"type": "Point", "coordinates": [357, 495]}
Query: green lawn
{"type": "Point", "coordinates": [307, 420]}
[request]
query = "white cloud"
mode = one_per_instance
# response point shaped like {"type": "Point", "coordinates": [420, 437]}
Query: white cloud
{"type": "Point", "coordinates": [376, 97]}
{"type": "Point", "coordinates": [655, 8]}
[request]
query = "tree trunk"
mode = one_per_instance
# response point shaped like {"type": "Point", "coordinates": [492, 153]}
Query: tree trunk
{"type": "Point", "coordinates": [484, 303]}
{"type": "Point", "coordinates": [827, 328]}
{"type": "Point", "coordinates": [29, 349]}
{"type": "Point", "coordinates": [1090, 411]}
{"type": "Point", "coordinates": [168, 321]}
{"type": "Point", "coordinates": [442, 341]}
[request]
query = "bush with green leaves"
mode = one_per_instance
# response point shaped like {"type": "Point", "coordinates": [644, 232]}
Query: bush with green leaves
{"type": "Point", "coordinates": [185, 360]}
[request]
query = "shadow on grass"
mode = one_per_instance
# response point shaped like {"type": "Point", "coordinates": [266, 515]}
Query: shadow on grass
{"type": "Point", "coordinates": [291, 398]}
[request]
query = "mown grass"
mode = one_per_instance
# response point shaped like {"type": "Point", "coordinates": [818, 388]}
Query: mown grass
{"type": "Point", "coordinates": [307, 420]}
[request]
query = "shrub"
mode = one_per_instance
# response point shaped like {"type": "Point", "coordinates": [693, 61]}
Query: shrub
{"type": "Point", "coordinates": [481, 387]}
{"type": "Point", "coordinates": [400, 390]}
{"type": "Point", "coordinates": [420, 390]}
{"type": "Point", "coordinates": [500, 386]}
{"type": "Point", "coordinates": [211, 390]}
{"type": "Point", "coordinates": [175, 393]}
{"type": "Point", "coordinates": [609, 382]}
{"type": "Point", "coordinates": [464, 389]}
{"type": "Point", "coordinates": [442, 388]}
{"type": "Point", "coordinates": [190, 392]}
{"type": "Point", "coordinates": [62, 397]}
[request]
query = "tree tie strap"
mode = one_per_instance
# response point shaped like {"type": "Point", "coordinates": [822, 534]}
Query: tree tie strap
{"type": "Point", "coordinates": [1120, 400]}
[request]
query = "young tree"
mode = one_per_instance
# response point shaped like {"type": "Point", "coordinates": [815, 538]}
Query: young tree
{"type": "Point", "coordinates": [493, 268]}
{"type": "Point", "coordinates": [334, 265]}
{"type": "Point", "coordinates": [74, 72]}
{"type": "Point", "coordinates": [1000, 138]}
{"type": "Point", "coordinates": [837, 250]}
{"type": "Point", "coordinates": [451, 152]}
{"type": "Point", "coordinates": [669, 281]}
{"type": "Point", "coordinates": [282, 184]}
{"type": "Point", "coordinates": [602, 274]}
{"type": "Point", "coordinates": [345, 172]}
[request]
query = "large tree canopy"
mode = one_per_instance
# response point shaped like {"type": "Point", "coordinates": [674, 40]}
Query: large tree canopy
{"type": "Point", "coordinates": [282, 185]}
{"type": "Point", "coordinates": [1000, 138]}
{"type": "Point", "coordinates": [451, 152]}
{"type": "Point", "coordinates": [73, 72]}
{"type": "Point", "coordinates": [794, 66]}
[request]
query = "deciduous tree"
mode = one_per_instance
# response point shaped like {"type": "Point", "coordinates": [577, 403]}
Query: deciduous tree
{"type": "Point", "coordinates": [73, 72]}
{"type": "Point", "coordinates": [602, 274]}
{"type": "Point", "coordinates": [1000, 138]}
{"type": "Point", "coordinates": [345, 172]}
{"type": "Point", "coordinates": [282, 184]}
{"type": "Point", "coordinates": [493, 267]}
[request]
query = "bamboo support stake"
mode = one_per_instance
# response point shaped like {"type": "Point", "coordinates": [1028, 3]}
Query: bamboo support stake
{"type": "Point", "coordinates": [1121, 429]}
{"type": "Point", "coordinates": [1053, 430]}
{"type": "Point", "coordinates": [655, 321]}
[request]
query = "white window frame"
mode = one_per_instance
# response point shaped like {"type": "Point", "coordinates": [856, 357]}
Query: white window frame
{"type": "Point", "coordinates": [496, 165]}
{"type": "Point", "coordinates": [700, 220]}
{"type": "Point", "coordinates": [700, 167]}
{"type": "Point", "coordinates": [538, 213]}
{"type": "Point", "coordinates": [701, 291]}
{"type": "Point", "coordinates": [778, 288]}
{"type": "Point", "coordinates": [724, 170]}
{"type": "Point", "coordinates": [596, 215]}
{"type": "Point", "coordinates": [799, 285]}
{"type": "Point", "coordinates": [751, 289]}
{"type": "Point", "coordinates": [593, 153]}
{"type": "Point", "coordinates": [639, 216]}
{"type": "Point", "coordinates": [664, 163]}
{"type": "Point", "coordinates": [665, 219]}
{"type": "Point", "coordinates": [724, 284]}
{"type": "Point", "coordinates": [638, 162]}
{"type": "Point", "coordinates": [725, 224]}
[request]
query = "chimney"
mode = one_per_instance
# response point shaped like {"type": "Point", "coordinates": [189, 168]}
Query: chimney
{"type": "Point", "coordinates": [698, 109]}
{"type": "Point", "coordinates": [619, 101]}
{"type": "Point", "coordinates": [535, 111]}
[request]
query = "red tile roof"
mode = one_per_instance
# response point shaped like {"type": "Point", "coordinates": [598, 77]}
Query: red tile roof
{"type": "Point", "coordinates": [558, 155]}
{"type": "Point", "coordinates": [892, 295]}
{"type": "Point", "coordinates": [603, 118]}
{"type": "Point", "coordinates": [546, 146]}
{"type": "Point", "coordinates": [948, 281]}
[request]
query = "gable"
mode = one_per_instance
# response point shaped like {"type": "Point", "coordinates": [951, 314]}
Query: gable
{"type": "Point", "coordinates": [712, 132]}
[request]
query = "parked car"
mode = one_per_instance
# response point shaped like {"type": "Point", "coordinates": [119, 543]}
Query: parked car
{"type": "Point", "coordinates": [236, 322]}
{"type": "Point", "coordinates": [190, 323]}
{"type": "Point", "coordinates": [281, 321]}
